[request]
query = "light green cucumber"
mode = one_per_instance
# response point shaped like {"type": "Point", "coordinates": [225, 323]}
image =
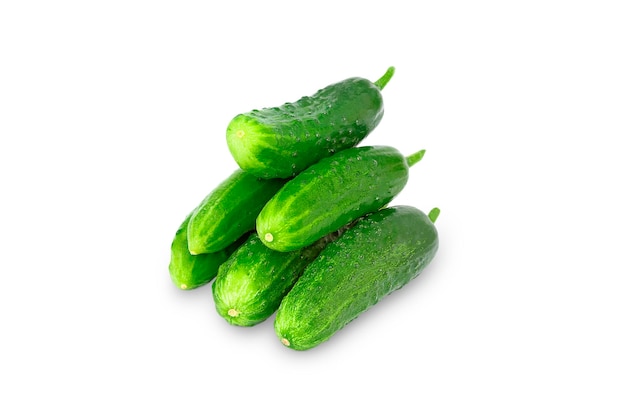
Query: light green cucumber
{"type": "Point", "coordinates": [189, 271]}
{"type": "Point", "coordinates": [229, 211]}
{"type": "Point", "coordinates": [380, 254]}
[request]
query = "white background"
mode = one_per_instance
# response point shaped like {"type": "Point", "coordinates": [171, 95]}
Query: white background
{"type": "Point", "coordinates": [112, 128]}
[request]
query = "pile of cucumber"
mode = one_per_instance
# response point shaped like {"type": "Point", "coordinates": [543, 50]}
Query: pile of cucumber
{"type": "Point", "coordinates": [303, 228]}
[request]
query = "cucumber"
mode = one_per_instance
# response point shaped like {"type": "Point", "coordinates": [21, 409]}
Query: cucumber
{"type": "Point", "coordinates": [252, 282]}
{"type": "Point", "coordinates": [189, 271]}
{"type": "Point", "coordinates": [279, 142]}
{"type": "Point", "coordinates": [380, 254]}
{"type": "Point", "coordinates": [331, 193]}
{"type": "Point", "coordinates": [229, 211]}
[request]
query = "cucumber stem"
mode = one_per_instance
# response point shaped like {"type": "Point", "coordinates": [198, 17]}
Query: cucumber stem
{"type": "Point", "coordinates": [415, 158]}
{"type": "Point", "coordinates": [382, 81]}
{"type": "Point", "coordinates": [433, 214]}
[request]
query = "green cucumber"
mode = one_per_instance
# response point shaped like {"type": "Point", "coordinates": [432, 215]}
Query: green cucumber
{"type": "Point", "coordinates": [331, 193]}
{"type": "Point", "coordinates": [189, 271]}
{"type": "Point", "coordinates": [252, 282]}
{"type": "Point", "coordinates": [229, 211]}
{"type": "Point", "coordinates": [279, 142]}
{"type": "Point", "coordinates": [380, 254]}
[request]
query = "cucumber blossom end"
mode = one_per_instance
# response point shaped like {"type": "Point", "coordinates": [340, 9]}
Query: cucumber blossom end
{"type": "Point", "coordinates": [243, 136]}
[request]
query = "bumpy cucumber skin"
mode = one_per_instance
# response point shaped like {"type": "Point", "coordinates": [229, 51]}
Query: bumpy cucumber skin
{"type": "Point", "coordinates": [189, 271]}
{"type": "Point", "coordinates": [252, 282]}
{"type": "Point", "coordinates": [330, 194]}
{"type": "Point", "coordinates": [380, 254]}
{"type": "Point", "coordinates": [279, 142]}
{"type": "Point", "coordinates": [229, 211]}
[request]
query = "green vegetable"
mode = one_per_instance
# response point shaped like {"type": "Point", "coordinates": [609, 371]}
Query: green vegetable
{"type": "Point", "coordinates": [191, 271]}
{"type": "Point", "coordinates": [279, 142]}
{"type": "Point", "coordinates": [380, 254]}
{"type": "Point", "coordinates": [252, 282]}
{"type": "Point", "coordinates": [331, 193]}
{"type": "Point", "coordinates": [229, 211]}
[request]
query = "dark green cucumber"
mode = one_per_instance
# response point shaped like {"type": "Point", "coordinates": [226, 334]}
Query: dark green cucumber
{"type": "Point", "coordinates": [279, 142]}
{"type": "Point", "coordinates": [189, 271]}
{"type": "Point", "coordinates": [252, 282]}
{"type": "Point", "coordinates": [331, 193]}
{"type": "Point", "coordinates": [229, 211]}
{"type": "Point", "coordinates": [380, 254]}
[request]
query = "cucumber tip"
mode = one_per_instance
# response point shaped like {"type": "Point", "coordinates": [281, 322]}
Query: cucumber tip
{"type": "Point", "coordinates": [284, 341]}
{"type": "Point", "coordinates": [269, 237]}
{"type": "Point", "coordinates": [233, 313]}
